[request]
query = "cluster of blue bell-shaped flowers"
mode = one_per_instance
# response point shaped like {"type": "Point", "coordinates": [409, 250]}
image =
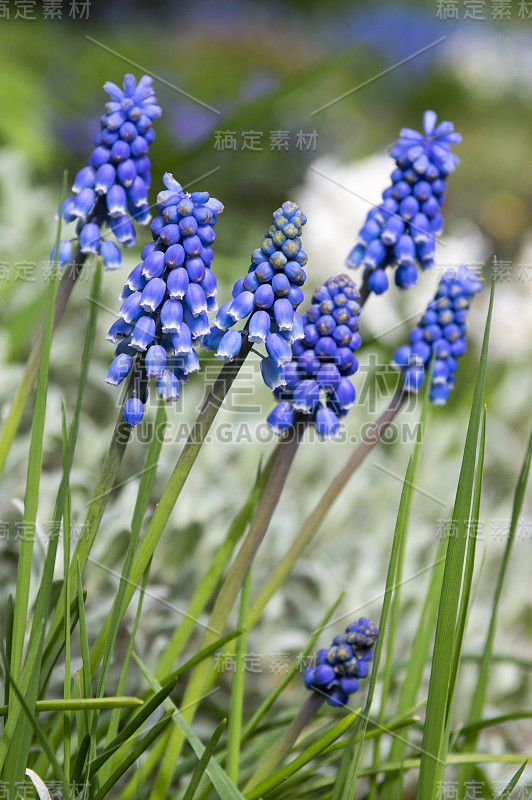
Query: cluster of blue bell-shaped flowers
{"type": "Point", "coordinates": [113, 187]}
{"type": "Point", "coordinates": [166, 297]}
{"type": "Point", "coordinates": [265, 301]}
{"type": "Point", "coordinates": [441, 333]}
{"type": "Point", "coordinates": [339, 667]}
{"type": "Point", "coordinates": [317, 382]}
{"type": "Point", "coordinates": [402, 230]}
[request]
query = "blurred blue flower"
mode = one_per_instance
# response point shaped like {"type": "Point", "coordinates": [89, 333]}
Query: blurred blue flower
{"type": "Point", "coordinates": [113, 187]}
{"type": "Point", "coordinates": [316, 381]}
{"type": "Point", "coordinates": [339, 667]}
{"type": "Point", "coordinates": [402, 230]}
{"type": "Point", "coordinates": [441, 333]}
{"type": "Point", "coordinates": [166, 298]}
{"type": "Point", "coordinates": [267, 298]}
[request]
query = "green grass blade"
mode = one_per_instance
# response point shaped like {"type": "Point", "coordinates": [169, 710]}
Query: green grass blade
{"type": "Point", "coordinates": [237, 687]}
{"type": "Point", "coordinates": [204, 760]}
{"type": "Point", "coordinates": [418, 659]}
{"type": "Point", "coordinates": [479, 694]}
{"type": "Point", "coordinates": [434, 747]}
{"type": "Point", "coordinates": [114, 722]}
{"type": "Point", "coordinates": [85, 671]}
{"type": "Point", "coordinates": [18, 736]}
{"type": "Point", "coordinates": [268, 701]}
{"type": "Point", "coordinates": [9, 636]}
{"type": "Point", "coordinates": [146, 483]}
{"type": "Point", "coordinates": [468, 569]}
{"type": "Point", "coordinates": [82, 704]}
{"type": "Point", "coordinates": [513, 783]}
{"type": "Point", "coordinates": [216, 569]}
{"type": "Point", "coordinates": [132, 727]}
{"type": "Point", "coordinates": [221, 782]}
{"type": "Point", "coordinates": [396, 596]}
{"type": "Point", "coordinates": [59, 774]}
{"type": "Point", "coordinates": [135, 754]}
{"type": "Point", "coordinates": [173, 489]}
{"type": "Point", "coordinates": [81, 759]}
{"type": "Point", "coordinates": [302, 760]}
{"type": "Point", "coordinates": [345, 783]}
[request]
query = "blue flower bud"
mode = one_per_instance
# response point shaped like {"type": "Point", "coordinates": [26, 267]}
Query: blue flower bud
{"type": "Point", "coordinates": [110, 254]}
{"type": "Point", "coordinates": [212, 339]}
{"type": "Point", "coordinates": [133, 411]}
{"type": "Point", "coordinates": [64, 252]}
{"type": "Point", "coordinates": [155, 361]}
{"type": "Point", "coordinates": [84, 180]}
{"type": "Point", "coordinates": [83, 203]}
{"type": "Point", "coordinates": [143, 333]}
{"type": "Point", "coordinates": [282, 417]}
{"type": "Point", "coordinates": [259, 327]}
{"type": "Point", "coordinates": [130, 310]}
{"type": "Point", "coordinates": [182, 341]}
{"type": "Point", "coordinates": [89, 238]}
{"type": "Point", "coordinates": [153, 266]}
{"type": "Point", "coordinates": [190, 363]}
{"type": "Point", "coordinates": [284, 314]}
{"type": "Point", "coordinates": [126, 173]}
{"type": "Point", "coordinates": [230, 345]}
{"type": "Point", "coordinates": [272, 373]}
{"type": "Point", "coordinates": [278, 349]}
{"type": "Point", "coordinates": [123, 230]}
{"type": "Point", "coordinates": [152, 294]}
{"type": "Point", "coordinates": [171, 316]}
{"type": "Point", "coordinates": [168, 386]}
{"type": "Point", "coordinates": [119, 369]}
{"type": "Point", "coordinates": [378, 281]}
{"type": "Point", "coordinates": [119, 330]}
{"type": "Point", "coordinates": [199, 325]}
{"type": "Point", "coordinates": [241, 306]}
{"type": "Point", "coordinates": [177, 283]}
{"type": "Point", "coordinates": [306, 396]}
{"type": "Point", "coordinates": [195, 299]}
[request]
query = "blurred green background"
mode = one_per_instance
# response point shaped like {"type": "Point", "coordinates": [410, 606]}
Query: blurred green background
{"type": "Point", "coordinates": [266, 67]}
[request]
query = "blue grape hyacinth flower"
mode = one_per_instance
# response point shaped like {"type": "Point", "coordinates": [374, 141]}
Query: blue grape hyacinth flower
{"type": "Point", "coordinates": [166, 298]}
{"type": "Point", "coordinates": [113, 188]}
{"type": "Point", "coordinates": [401, 232]}
{"type": "Point", "coordinates": [265, 301]}
{"type": "Point", "coordinates": [317, 383]}
{"type": "Point", "coordinates": [441, 333]}
{"type": "Point", "coordinates": [339, 668]}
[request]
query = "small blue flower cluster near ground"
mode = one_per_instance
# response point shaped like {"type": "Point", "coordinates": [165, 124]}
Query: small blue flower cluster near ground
{"type": "Point", "coordinates": [440, 332]}
{"type": "Point", "coordinates": [267, 298]}
{"type": "Point", "coordinates": [402, 229]}
{"type": "Point", "coordinates": [113, 187]}
{"type": "Point", "coordinates": [166, 297]}
{"type": "Point", "coordinates": [339, 668]}
{"type": "Point", "coordinates": [316, 381]}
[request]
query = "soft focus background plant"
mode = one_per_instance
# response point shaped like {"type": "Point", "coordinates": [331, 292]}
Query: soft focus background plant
{"type": "Point", "coordinates": [268, 68]}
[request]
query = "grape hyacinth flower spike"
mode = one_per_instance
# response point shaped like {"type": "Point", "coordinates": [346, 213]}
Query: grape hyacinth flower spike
{"type": "Point", "coordinates": [441, 333]}
{"type": "Point", "coordinates": [317, 383]}
{"type": "Point", "coordinates": [113, 187]}
{"type": "Point", "coordinates": [265, 301]}
{"type": "Point", "coordinates": [166, 298]}
{"type": "Point", "coordinates": [339, 667]}
{"type": "Point", "coordinates": [402, 230]}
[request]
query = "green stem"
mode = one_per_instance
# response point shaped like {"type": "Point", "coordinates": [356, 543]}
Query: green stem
{"type": "Point", "coordinates": [169, 497]}
{"type": "Point", "coordinates": [314, 520]}
{"type": "Point", "coordinates": [285, 744]}
{"type": "Point", "coordinates": [226, 596]}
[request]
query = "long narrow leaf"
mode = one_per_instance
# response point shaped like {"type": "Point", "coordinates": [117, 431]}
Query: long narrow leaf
{"type": "Point", "coordinates": [434, 747]}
